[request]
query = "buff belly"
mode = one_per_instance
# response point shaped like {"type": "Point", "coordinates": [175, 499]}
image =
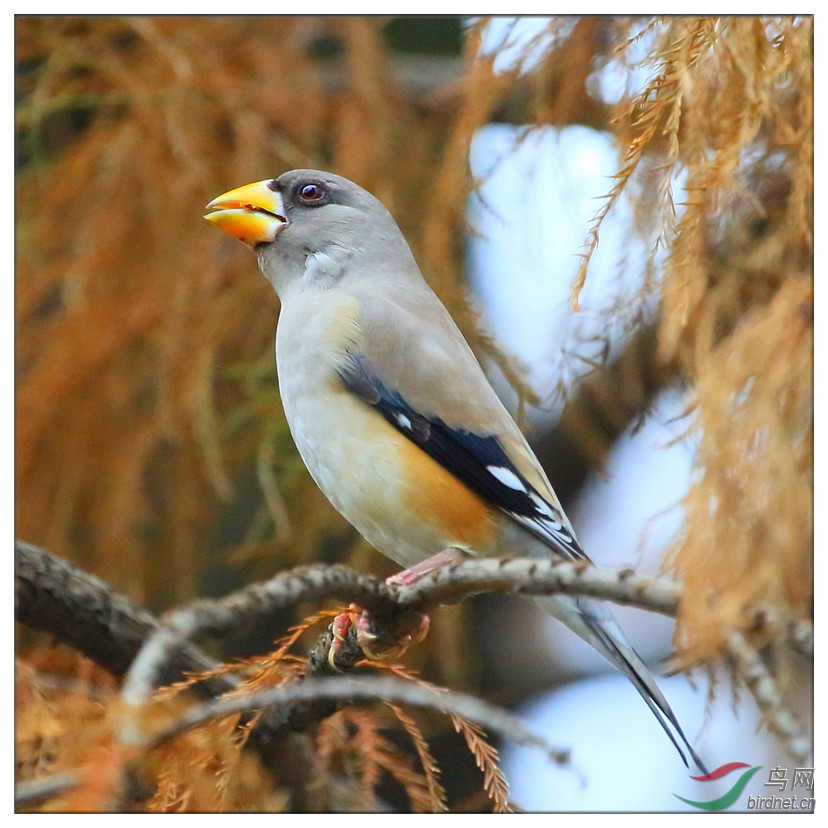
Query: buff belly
{"type": "Point", "coordinates": [398, 498]}
{"type": "Point", "coordinates": [403, 502]}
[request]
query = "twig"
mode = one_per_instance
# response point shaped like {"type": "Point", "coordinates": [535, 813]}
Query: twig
{"type": "Point", "coordinates": [340, 689]}
{"type": "Point", "coordinates": [798, 633]}
{"type": "Point", "coordinates": [85, 612]}
{"type": "Point", "coordinates": [529, 576]}
{"type": "Point", "coordinates": [81, 610]}
{"type": "Point", "coordinates": [54, 596]}
{"type": "Point", "coordinates": [801, 636]}
{"type": "Point", "coordinates": [33, 791]}
{"type": "Point", "coordinates": [758, 679]}
{"type": "Point", "coordinates": [382, 688]}
{"type": "Point", "coordinates": [452, 583]}
{"type": "Point", "coordinates": [246, 607]}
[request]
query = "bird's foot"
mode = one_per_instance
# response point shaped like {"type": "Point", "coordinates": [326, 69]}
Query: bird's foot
{"type": "Point", "coordinates": [379, 638]}
{"type": "Point", "coordinates": [383, 638]}
{"type": "Point", "coordinates": [414, 573]}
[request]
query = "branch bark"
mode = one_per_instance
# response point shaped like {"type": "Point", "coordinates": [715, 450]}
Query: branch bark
{"type": "Point", "coordinates": [447, 584]}
{"type": "Point", "coordinates": [79, 609]}
{"type": "Point", "coordinates": [36, 790]}
{"type": "Point", "coordinates": [82, 610]}
{"type": "Point", "coordinates": [753, 671]}
{"type": "Point", "coordinates": [374, 688]}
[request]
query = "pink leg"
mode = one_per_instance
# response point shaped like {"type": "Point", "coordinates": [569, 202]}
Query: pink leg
{"type": "Point", "coordinates": [412, 574]}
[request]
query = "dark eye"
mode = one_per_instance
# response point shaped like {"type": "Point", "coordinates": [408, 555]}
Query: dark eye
{"type": "Point", "coordinates": [311, 192]}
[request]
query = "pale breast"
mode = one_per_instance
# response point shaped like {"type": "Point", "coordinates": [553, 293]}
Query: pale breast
{"type": "Point", "coordinates": [398, 498]}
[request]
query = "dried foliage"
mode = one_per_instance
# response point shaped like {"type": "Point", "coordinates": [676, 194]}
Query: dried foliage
{"type": "Point", "coordinates": [205, 768]}
{"type": "Point", "coordinates": [716, 153]}
{"type": "Point", "coordinates": [738, 312]}
{"type": "Point", "coordinates": [431, 770]}
{"type": "Point", "coordinates": [730, 106]}
{"type": "Point", "coordinates": [485, 756]}
{"type": "Point", "coordinates": [57, 698]}
{"type": "Point", "coordinates": [146, 398]}
{"type": "Point", "coordinates": [151, 447]}
{"type": "Point", "coordinates": [352, 755]}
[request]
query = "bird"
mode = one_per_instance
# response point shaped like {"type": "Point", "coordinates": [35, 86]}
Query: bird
{"type": "Point", "coordinates": [390, 410]}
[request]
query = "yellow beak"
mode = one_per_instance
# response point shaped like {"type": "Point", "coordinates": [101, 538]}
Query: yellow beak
{"type": "Point", "coordinates": [253, 214]}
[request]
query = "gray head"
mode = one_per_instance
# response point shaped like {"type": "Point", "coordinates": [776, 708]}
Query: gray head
{"type": "Point", "coordinates": [311, 225]}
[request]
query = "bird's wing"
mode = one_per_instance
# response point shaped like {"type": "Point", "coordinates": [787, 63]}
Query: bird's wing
{"type": "Point", "coordinates": [413, 366]}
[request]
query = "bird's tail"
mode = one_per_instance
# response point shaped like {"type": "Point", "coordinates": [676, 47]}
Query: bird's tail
{"type": "Point", "coordinates": [595, 623]}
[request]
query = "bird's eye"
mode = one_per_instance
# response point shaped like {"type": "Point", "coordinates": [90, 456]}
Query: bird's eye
{"type": "Point", "coordinates": [311, 193]}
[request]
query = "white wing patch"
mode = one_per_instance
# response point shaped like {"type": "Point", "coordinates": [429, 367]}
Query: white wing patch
{"type": "Point", "coordinates": [477, 460]}
{"type": "Point", "coordinates": [507, 477]}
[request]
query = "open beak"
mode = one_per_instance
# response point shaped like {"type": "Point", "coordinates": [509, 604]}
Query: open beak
{"type": "Point", "coordinates": [254, 214]}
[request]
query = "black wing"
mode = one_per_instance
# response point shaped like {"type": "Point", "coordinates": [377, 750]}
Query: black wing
{"type": "Point", "coordinates": [478, 461]}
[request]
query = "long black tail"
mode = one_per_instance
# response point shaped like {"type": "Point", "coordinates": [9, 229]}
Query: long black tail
{"type": "Point", "coordinates": [622, 654]}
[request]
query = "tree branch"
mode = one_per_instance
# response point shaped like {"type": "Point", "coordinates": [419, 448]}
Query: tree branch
{"type": "Point", "coordinates": [374, 688]}
{"type": "Point", "coordinates": [54, 596]}
{"type": "Point", "coordinates": [758, 679]}
{"type": "Point", "coordinates": [33, 791]}
{"type": "Point", "coordinates": [529, 576]}
{"type": "Point", "coordinates": [453, 583]}
{"type": "Point", "coordinates": [336, 689]}
{"type": "Point", "coordinates": [82, 610]}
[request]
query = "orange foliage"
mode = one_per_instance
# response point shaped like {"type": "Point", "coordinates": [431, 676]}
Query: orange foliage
{"type": "Point", "coordinates": [66, 726]}
{"type": "Point", "coordinates": [151, 446]}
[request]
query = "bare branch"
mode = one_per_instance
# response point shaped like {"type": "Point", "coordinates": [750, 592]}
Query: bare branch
{"type": "Point", "coordinates": [758, 679]}
{"type": "Point", "coordinates": [797, 633]}
{"type": "Point", "coordinates": [249, 606]}
{"type": "Point", "coordinates": [81, 610]}
{"type": "Point", "coordinates": [801, 636]}
{"type": "Point", "coordinates": [374, 688]}
{"type": "Point", "coordinates": [526, 576]}
{"type": "Point", "coordinates": [53, 596]}
{"type": "Point", "coordinates": [340, 690]}
{"type": "Point", "coordinates": [36, 790]}
{"type": "Point", "coordinates": [85, 612]}
{"type": "Point", "coordinates": [529, 576]}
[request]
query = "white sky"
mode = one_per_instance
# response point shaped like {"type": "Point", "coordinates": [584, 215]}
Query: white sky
{"type": "Point", "coordinates": [531, 220]}
{"type": "Point", "coordinates": [623, 760]}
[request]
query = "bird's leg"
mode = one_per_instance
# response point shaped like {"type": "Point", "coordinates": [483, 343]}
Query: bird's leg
{"type": "Point", "coordinates": [385, 638]}
{"type": "Point", "coordinates": [409, 576]}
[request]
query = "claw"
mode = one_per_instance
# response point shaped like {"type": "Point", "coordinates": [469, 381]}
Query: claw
{"type": "Point", "coordinates": [410, 628]}
{"type": "Point", "coordinates": [408, 631]}
{"type": "Point", "coordinates": [340, 627]}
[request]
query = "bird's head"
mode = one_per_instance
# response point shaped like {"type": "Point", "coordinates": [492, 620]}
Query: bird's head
{"type": "Point", "coordinates": [306, 225]}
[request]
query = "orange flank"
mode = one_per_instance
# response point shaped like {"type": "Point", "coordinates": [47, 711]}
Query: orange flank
{"type": "Point", "coordinates": [439, 498]}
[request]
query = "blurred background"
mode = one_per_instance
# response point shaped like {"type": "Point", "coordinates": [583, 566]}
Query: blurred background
{"type": "Point", "coordinates": [657, 173]}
